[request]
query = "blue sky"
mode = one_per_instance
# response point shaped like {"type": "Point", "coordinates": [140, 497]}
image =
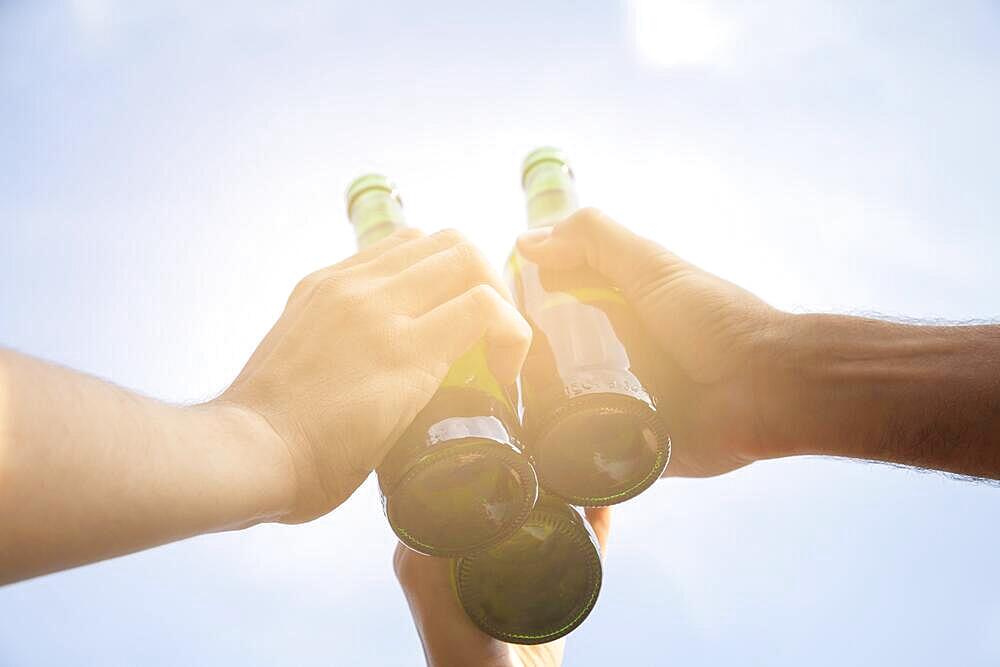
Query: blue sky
{"type": "Point", "coordinates": [169, 170]}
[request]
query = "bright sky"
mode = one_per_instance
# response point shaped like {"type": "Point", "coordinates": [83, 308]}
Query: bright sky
{"type": "Point", "coordinates": [168, 170]}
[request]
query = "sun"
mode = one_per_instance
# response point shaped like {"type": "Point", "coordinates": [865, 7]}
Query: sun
{"type": "Point", "coordinates": [672, 33]}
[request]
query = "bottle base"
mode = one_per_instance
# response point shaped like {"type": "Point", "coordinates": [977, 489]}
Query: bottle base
{"type": "Point", "coordinates": [535, 587]}
{"type": "Point", "coordinates": [600, 449]}
{"type": "Point", "coordinates": [462, 498]}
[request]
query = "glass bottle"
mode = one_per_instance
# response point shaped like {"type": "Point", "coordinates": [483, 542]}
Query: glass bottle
{"type": "Point", "coordinates": [596, 436]}
{"type": "Point", "coordinates": [456, 481]}
{"type": "Point", "coordinates": [537, 585]}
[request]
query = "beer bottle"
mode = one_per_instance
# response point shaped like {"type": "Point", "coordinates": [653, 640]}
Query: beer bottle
{"type": "Point", "coordinates": [457, 480]}
{"type": "Point", "coordinates": [537, 585]}
{"type": "Point", "coordinates": [596, 435]}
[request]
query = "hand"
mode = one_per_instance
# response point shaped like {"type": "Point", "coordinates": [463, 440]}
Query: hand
{"type": "Point", "coordinates": [713, 334]}
{"type": "Point", "coordinates": [450, 639]}
{"type": "Point", "coordinates": [360, 349]}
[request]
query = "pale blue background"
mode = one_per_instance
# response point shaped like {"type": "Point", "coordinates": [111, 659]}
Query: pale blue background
{"type": "Point", "coordinates": [168, 170]}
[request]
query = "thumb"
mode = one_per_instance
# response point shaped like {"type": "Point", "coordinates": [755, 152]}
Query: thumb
{"type": "Point", "coordinates": [591, 238]}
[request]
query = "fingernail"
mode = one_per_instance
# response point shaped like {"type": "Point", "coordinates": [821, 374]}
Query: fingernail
{"type": "Point", "coordinates": [534, 236]}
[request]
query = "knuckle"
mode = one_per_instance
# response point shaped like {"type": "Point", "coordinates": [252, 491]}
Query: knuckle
{"type": "Point", "coordinates": [347, 295]}
{"type": "Point", "coordinates": [588, 220]}
{"type": "Point", "coordinates": [408, 233]}
{"type": "Point", "coordinates": [515, 324]}
{"type": "Point", "coordinates": [450, 236]}
{"type": "Point", "coordinates": [333, 283]}
{"type": "Point", "coordinates": [485, 297]}
{"type": "Point", "coordinates": [513, 337]}
{"type": "Point", "coordinates": [483, 293]}
{"type": "Point", "coordinates": [307, 285]}
{"type": "Point", "coordinates": [393, 336]}
{"type": "Point", "coordinates": [468, 256]}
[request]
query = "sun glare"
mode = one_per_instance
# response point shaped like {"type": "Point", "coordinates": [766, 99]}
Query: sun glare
{"type": "Point", "coordinates": [673, 33]}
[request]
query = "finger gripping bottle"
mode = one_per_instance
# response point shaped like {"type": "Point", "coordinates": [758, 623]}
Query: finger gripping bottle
{"type": "Point", "coordinates": [456, 481]}
{"type": "Point", "coordinates": [595, 431]}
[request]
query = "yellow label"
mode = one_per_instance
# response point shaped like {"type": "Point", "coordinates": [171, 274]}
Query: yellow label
{"type": "Point", "coordinates": [472, 370]}
{"type": "Point", "coordinates": [584, 295]}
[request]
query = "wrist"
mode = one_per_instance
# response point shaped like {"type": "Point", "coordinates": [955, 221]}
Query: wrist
{"type": "Point", "coordinates": [800, 388]}
{"type": "Point", "coordinates": [772, 395]}
{"type": "Point", "coordinates": [260, 477]}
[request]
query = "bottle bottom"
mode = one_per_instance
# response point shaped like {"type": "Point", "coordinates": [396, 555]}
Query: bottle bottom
{"type": "Point", "coordinates": [465, 497]}
{"type": "Point", "coordinates": [601, 449]}
{"type": "Point", "coordinates": [535, 587]}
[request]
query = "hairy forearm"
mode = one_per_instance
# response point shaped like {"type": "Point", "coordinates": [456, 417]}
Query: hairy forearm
{"type": "Point", "coordinates": [89, 470]}
{"type": "Point", "coordinates": [923, 396]}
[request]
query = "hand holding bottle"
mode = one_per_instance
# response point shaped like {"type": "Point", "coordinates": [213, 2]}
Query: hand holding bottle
{"type": "Point", "coordinates": [449, 637]}
{"type": "Point", "coordinates": [360, 349]}
{"type": "Point", "coordinates": [711, 333]}
{"type": "Point", "coordinates": [743, 381]}
{"type": "Point", "coordinates": [456, 481]}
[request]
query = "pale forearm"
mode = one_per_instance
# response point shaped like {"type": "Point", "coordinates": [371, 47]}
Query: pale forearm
{"type": "Point", "coordinates": [90, 471]}
{"type": "Point", "coordinates": [916, 395]}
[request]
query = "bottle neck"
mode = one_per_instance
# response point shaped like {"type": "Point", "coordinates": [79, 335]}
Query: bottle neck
{"type": "Point", "coordinates": [374, 215]}
{"type": "Point", "coordinates": [550, 193]}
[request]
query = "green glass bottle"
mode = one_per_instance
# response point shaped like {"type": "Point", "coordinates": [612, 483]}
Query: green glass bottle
{"type": "Point", "coordinates": [457, 480]}
{"type": "Point", "coordinates": [537, 585]}
{"type": "Point", "coordinates": [596, 434]}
